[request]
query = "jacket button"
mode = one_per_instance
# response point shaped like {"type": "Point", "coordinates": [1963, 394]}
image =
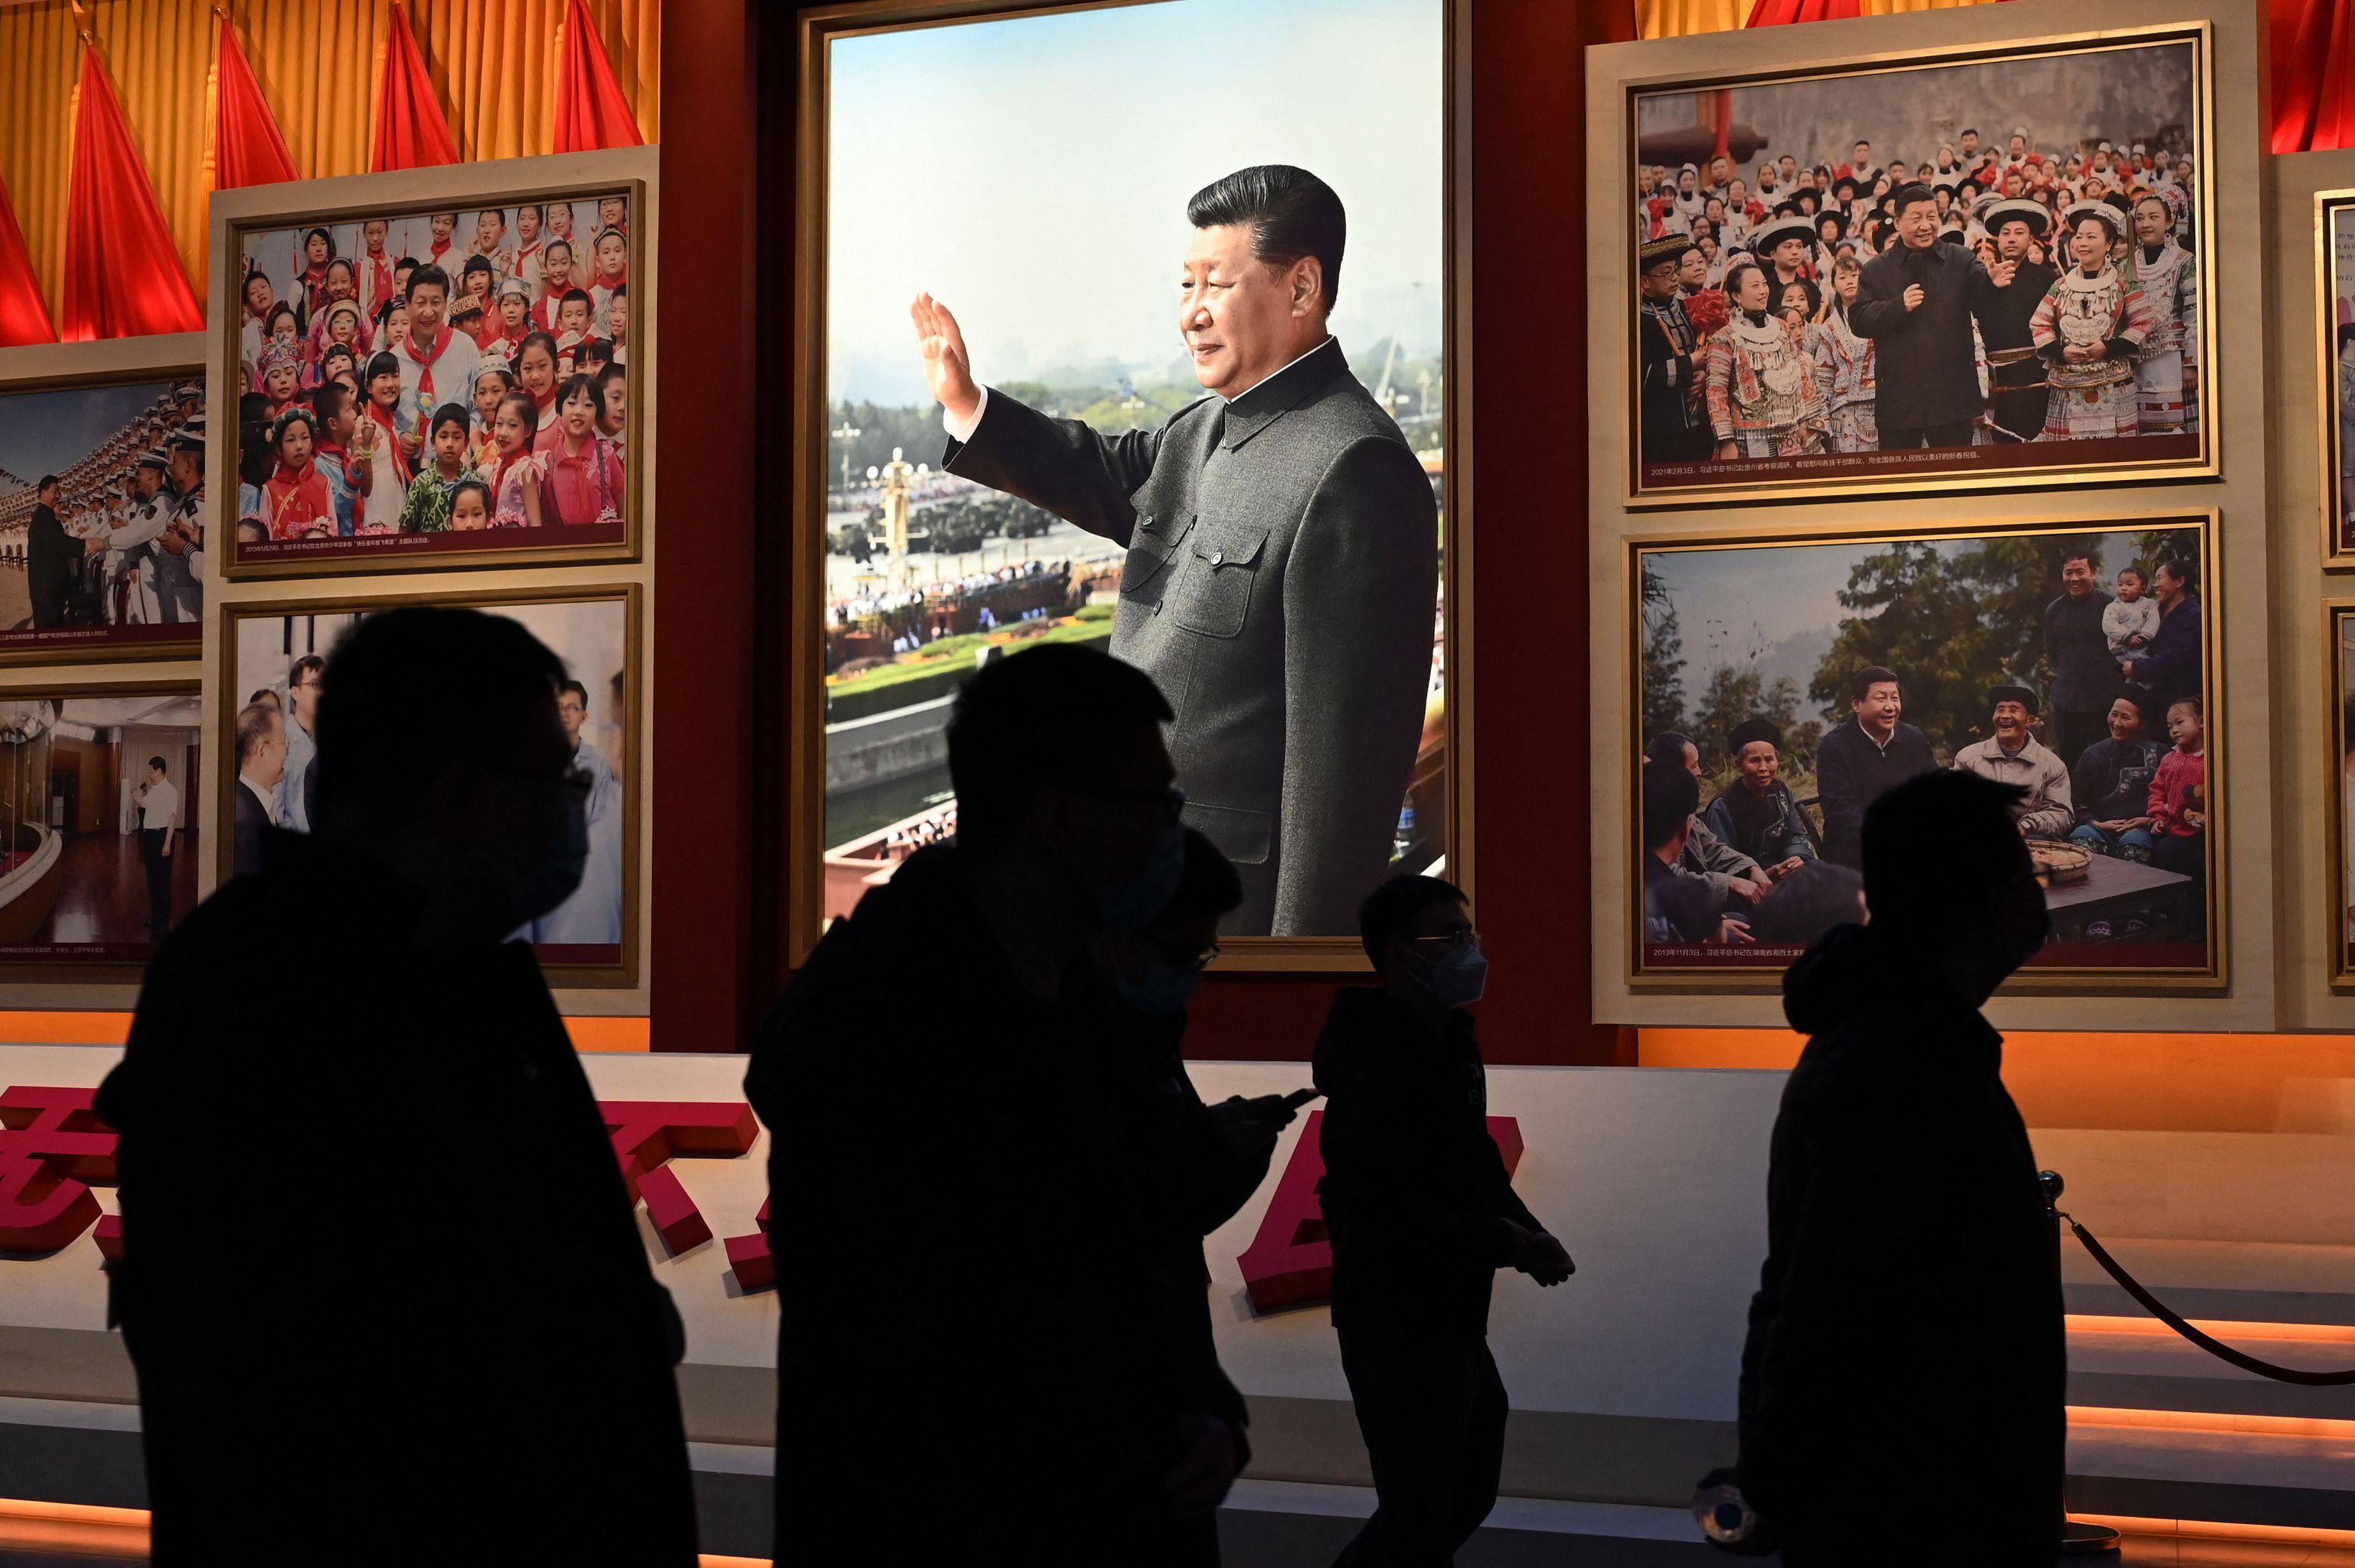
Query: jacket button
{"type": "Point", "coordinates": [1218, 558]}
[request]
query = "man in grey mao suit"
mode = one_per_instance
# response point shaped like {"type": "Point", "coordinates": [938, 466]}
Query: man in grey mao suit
{"type": "Point", "coordinates": [1283, 546]}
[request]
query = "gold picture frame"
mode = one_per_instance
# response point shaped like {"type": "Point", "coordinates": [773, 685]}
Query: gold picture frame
{"type": "Point", "coordinates": [628, 172]}
{"type": "Point", "coordinates": [2337, 517]}
{"type": "Point", "coordinates": [2091, 981]}
{"type": "Point", "coordinates": [624, 973]}
{"type": "Point", "coordinates": [816, 27]}
{"type": "Point", "coordinates": [2337, 620]}
{"type": "Point", "coordinates": [1637, 495]}
{"type": "Point", "coordinates": [112, 362]}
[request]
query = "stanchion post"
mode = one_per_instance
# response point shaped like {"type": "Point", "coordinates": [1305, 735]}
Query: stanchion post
{"type": "Point", "coordinates": [2077, 1540]}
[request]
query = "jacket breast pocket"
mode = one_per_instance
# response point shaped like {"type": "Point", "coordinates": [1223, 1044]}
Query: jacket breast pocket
{"type": "Point", "coordinates": [1153, 544]}
{"type": "Point", "coordinates": [1227, 560]}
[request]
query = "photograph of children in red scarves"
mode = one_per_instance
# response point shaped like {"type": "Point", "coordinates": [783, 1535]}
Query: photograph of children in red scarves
{"type": "Point", "coordinates": [383, 360]}
{"type": "Point", "coordinates": [102, 515]}
{"type": "Point", "coordinates": [1785, 687]}
{"type": "Point", "coordinates": [98, 802]}
{"type": "Point", "coordinates": [1902, 273]}
{"type": "Point", "coordinates": [280, 662]}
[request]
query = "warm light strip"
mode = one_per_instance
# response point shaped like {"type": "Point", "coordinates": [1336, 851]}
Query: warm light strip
{"type": "Point", "coordinates": [2152, 1328]}
{"type": "Point", "coordinates": [2214, 1422]}
{"type": "Point", "coordinates": [2207, 1529]}
{"type": "Point", "coordinates": [136, 1519]}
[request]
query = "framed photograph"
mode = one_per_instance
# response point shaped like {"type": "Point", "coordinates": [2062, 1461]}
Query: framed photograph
{"type": "Point", "coordinates": [1784, 683]}
{"type": "Point", "coordinates": [1971, 268]}
{"type": "Point", "coordinates": [274, 653]}
{"type": "Point", "coordinates": [101, 805]}
{"type": "Point", "coordinates": [428, 385]}
{"type": "Point", "coordinates": [1318, 729]}
{"type": "Point", "coordinates": [103, 519]}
{"type": "Point", "coordinates": [2339, 649]}
{"type": "Point", "coordinates": [2334, 261]}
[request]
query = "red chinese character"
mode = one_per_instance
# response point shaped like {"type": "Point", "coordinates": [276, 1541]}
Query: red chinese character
{"type": "Point", "coordinates": [52, 1148]}
{"type": "Point", "coordinates": [748, 1257]}
{"type": "Point", "coordinates": [647, 1133]}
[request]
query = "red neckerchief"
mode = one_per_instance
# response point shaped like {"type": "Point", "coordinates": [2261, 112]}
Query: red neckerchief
{"type": "Point", "coordinates": [618, 278]}
{"type": "Point", "coordinates": [425, 361]}
{"type": "Point", "coordinates": [435, 250]}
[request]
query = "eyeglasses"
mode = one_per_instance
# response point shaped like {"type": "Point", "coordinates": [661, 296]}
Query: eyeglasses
{"type": "Point", "coordinates": [1449, 942]}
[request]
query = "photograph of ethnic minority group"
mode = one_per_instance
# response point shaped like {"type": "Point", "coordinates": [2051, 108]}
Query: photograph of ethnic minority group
{"type": "Point", "coordinates": [102, 514]}
{"type": "Point", "coordinates": [443, 374]}
{"type": "Point", "coordinates": [279, 667]}
{"type": "Point", "coordinates": [1785, 687]}
{"type": "Point", "coordinates": [1978, 262]}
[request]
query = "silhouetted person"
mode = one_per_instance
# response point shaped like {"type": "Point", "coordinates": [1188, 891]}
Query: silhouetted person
{"type": "Point", "coordinates": [1422, 1214]}
{"type": "Point", "coordinates": [1903, 1385]}
{"type": "Point", "coordinates": [381, 1281]}
{"type": "Point", "coordinates": [975, 1364]}
{"type": "Point", "coordinates": [52, 556]}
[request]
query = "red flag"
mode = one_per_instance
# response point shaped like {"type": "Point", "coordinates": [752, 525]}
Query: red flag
{"type": "Point", "coordinates": [248, 146]}
{"type": "Point", "coordinates": [411, 133]}
{"type": "Point", "coordinates": [1775, 13]}
{"type": "Point", "coordinates": [2313, 42]}
{"type": "Point", "coordinates": [24, 314]}
{"type": "Point", "coordinates": [590, 113]}
{"type": "Point", "coordinates": [123, 276]}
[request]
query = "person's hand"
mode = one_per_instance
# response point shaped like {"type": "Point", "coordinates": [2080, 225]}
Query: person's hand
{"type": "Point", "coordinates": [1913, 296]}
{"type": "Point", "coordinates": [2190, 379]}
{"type": "Point", "coordinates": [1786, 867]}
{"type": "Point", "coordinates": [2126, 668]}
{"type": "Point", "coordinates": [1752, 887]}
{"type": "Point", "coordinates": [2132, 823]}
{"type": "Point", "coordinates": [1732, 933]}
{"type": "Point", "coordinates": [1206, 1466]}
{"type": "Point", "coordinates": [364, 439]}
{"type": "Point", "coordinates": [1248, 1127]}
{"type": "Point", "coordinates": [92, 547]}
{"type": "Point", "coordinates": [1537, 1254]}
{"type": "Point", "coordinates": [168, 846]}
{"type": "Point", "coordinates": [1725, 451]}
{"type": "Point", "coordinates": [948, 369]}
{"type": "Point", "coordinates": [2002, 272]}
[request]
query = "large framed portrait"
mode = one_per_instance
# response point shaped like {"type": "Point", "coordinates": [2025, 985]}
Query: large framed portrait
{"type": "Point", "coordinates": [2334, 256]}
{"type": "Point", "coordinates": [103, 516]}
{"type": "Point", "coordinates": [1317, 684]}
{"type": "Point", "coordinates": [99, 806]}
{"type": "Point", "coordinates": [430, 379]}
{"type": "Point", "coordinates": [1784, 683]}
{"type": "Point", "coordinates": [1966, 269]}
{"type": "Point", "coordinates": [2340, 650]}
{"type": "Point", "coordinates": [274, 653]}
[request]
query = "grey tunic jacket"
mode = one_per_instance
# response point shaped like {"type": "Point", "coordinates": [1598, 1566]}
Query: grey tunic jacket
{"type": "Point", "coordinates": [1281, 589]}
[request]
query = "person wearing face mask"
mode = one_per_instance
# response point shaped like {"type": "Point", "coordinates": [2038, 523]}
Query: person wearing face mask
{"type": "Point", "coordinates": [1422, 1214]}
{"type": "Point", "coordinates": [1902, 1212]}
{"type": "Point", "coordinates": [592, 915]}
{"type": "Point", "coordinates": [916, 1418]}
{"type": "Point", "coordinates": [446, 1332]}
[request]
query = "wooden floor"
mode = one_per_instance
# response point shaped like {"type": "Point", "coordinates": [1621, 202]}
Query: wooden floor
{"type": "Point", "coordinates": [104, 899]}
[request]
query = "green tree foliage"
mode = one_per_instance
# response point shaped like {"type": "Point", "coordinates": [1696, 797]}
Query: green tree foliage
{"type": "Point", "coordinates": [1662, 679]}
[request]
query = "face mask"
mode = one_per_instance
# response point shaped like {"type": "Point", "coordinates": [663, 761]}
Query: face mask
{"type": "Point", "coordinates": [1160, 990]}
{"type": "Point", "coordinates": [1459, 979]}
{"type": "Point", "coordinates": [534, 892]}
{"type": "Point", "coordinates": [1128, 904]}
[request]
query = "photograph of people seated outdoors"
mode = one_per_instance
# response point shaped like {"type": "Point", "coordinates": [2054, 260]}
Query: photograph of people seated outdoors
{"type": "Point", "coordinates": [99, 805]}
{"type": "Point", "coordinates": [967, 516]}
{"type": "Point", "coordinates": [383, 361]}
{"type": "Point", "coordinates": [279, 660]}
{"type": "Point", "coordinates": [1887, 274]}
{"type": "Point", "coordinates": [1785, 687]}
{"type": "Point", "coordinates": [103, 516]}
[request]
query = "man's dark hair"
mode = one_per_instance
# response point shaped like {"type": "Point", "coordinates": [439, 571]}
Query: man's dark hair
{"type": "Point", "coordinates": [47, 480]}
{"type": "Point", "coordinates": [254, 723]}
{"type": "Point", "coordinates": [1873, 675]}
{"type": "Point", "coordinates": [1671, 795]}
{"type": "Point", "coordinates": [575, 687]}
{"type": "Point", "coordinates": [427, 273]}
{"type": "Point", "coordinates": [1970, 131]}
{"type": "Point", "coordinates": [476, 683]}
{"type": "Point", "coordinates": [1035, 720]}
{"type": "Point", "coordinates": [1909, 193]}
{"type": "Point", "coordinates": [1806, 903]}
{"type": "Point", "coordinates": [157, 764]}
{"type": "Point", "coordinates": [2079, 553]}
{"type": "Point", "coordinates": [1391, 907]}
{"type": "Point", "coordinates": [1291, 212]}
{"type": "Point", "coordinates": [1668, 746]}
{"type": "Point", "coordinates": [1938, 844]}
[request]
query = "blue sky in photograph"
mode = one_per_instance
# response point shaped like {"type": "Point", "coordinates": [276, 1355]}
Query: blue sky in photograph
{"type": "Point", "coordinates": [1032, 174]}
{"type": "Point", "coordinates": [49, 431]}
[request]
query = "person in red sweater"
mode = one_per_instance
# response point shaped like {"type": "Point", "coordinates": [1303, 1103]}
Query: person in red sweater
{"type": "Point", "coordinates": [2179, 803]}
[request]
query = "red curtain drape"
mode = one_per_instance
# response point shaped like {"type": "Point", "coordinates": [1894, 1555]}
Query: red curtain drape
{"type": "Point", "coordinates": [1775, 13]}
{"type": "Point", "coordinates": [411, 130]}
{"type": "Point", "coordinates": [2314, 58]}
{"type": "Point", "coordinates": [124, 277]}
{"type": "Point", "coordinates": [591, 111]}
{"type": "Point", "coordinates": [248, 146]}
{"type": "Point", "coordinates": [24, 314]}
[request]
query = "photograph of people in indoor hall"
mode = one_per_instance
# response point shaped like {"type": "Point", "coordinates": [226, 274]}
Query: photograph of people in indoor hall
{"type": "Point", "coordinates": [930, 571]}
{"type": "Point", "coordinates": [279, 667]}
{"type": "Point", "coordinates": [1889, 273]}
{"type": "Point", "coordinates": [98, 804]}
{"type": "Point", "coordinates": [1784, 688]}
{"type": "Point", "coordinates": [381, 361]}
{"type": "Point", "coordinates": [102, 515]}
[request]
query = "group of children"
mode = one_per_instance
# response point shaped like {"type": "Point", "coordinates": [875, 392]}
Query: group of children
{"type": "Point", "coordinates": [455, 390]}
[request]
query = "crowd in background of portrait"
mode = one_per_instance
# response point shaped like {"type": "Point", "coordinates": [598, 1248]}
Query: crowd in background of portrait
{"type": "Point", "coordinates": [442, 373]}
{"type": "Point", "coordinates": [279, 665]}
{"type": "Point", "coordinates": [102, 521]}
{"type": "Point", "coordinates": [1978, 261]}
{"type": "Point", "coordinates": [1784, 688]}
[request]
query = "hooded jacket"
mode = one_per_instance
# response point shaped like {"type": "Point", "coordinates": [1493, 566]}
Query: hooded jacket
{"type": "Point", "coordinates": [1906, 1335]}
{"type": "Point", "coordinates": [1415, 1192]}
